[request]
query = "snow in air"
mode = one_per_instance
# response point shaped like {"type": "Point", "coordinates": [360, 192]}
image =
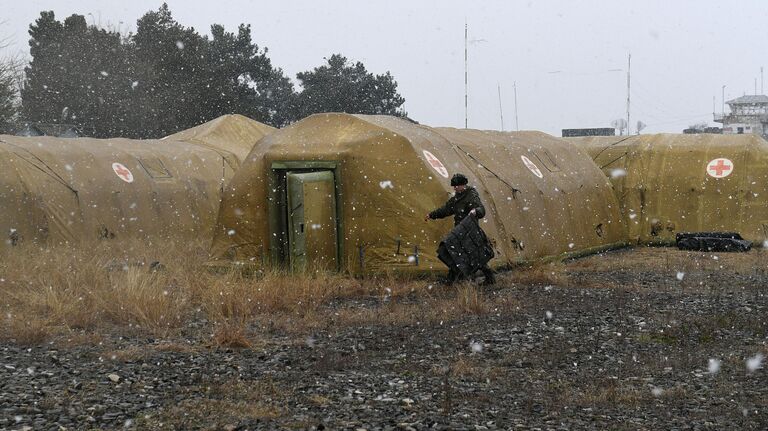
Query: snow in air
{"type": "Point", "coordinates": [618, 173]}
{"type": "Point", "coordinates": [714, 366]}
{"type": "Point", "coordinates": [476, 346]}
{"type": "Point", "coordinates": [680, 275]}
{"type": "Point", "coordinates": [657, 391]}
{"type": "Point", "coordinates": [387, 184]}
{"type": "Point", "coordinates": [755, 363]}
{"type": "Point", "coordinates": [179, 44]}
{"type": "Point", "coordinates": [231, 232]}
{"type": "Point", "coordinates": [104, 73]}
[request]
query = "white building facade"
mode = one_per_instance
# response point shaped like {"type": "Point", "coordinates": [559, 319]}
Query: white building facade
{"type": "Point", "coordinates": [749, 114]}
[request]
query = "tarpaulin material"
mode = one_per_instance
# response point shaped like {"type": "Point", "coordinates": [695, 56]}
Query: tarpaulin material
{"type": "Point", "coordinates": [56, 190]}
{"type": "Point", "coordinates": [465, 249]}
{"type": "Point", "coordinates": [544, 197]}
{"type": "Point", "coordinates": [670, 183]}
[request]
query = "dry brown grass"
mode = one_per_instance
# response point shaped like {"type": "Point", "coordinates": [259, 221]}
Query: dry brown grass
{"type": "Point", "coordinates": [65, 292]}
{"type": "Point", "coordinates": [612, 393]}
{"type": "Point", "coordinates": [225, 404]}
{"type": "Point", "coordinates": [541, 273]}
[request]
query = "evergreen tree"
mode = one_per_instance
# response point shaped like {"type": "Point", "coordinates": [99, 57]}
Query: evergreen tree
{"type": "Point", "coordinates": [77, 76]}
{"type": "Point", "coordinates": [341, 86]}
{"type": "Point", "coordinates": [167, 77]}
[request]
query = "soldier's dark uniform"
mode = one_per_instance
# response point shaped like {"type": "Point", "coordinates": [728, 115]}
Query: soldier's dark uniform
{"type": "Point", "coordinates": [459, 206]}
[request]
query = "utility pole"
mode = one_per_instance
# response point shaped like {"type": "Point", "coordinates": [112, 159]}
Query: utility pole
{"type": "Point", "coordinates": [517, 125]}
{"type": "Point", "coordinates": [629, 67]}
{"type": "Point", "coordinates": [466, 115]}
{"type": "Point", "coordinates": [501, 112]}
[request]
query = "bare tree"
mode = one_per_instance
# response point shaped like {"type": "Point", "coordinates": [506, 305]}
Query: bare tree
{"type": "Point", "coordinates": [11, 79]}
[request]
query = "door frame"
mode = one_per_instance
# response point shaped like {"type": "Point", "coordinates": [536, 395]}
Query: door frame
{"type": "Point", "coordinates": [279, 251]}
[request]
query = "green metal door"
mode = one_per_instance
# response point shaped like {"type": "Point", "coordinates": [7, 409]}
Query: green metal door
{"type": "Point", "coordinates": [312, 232]}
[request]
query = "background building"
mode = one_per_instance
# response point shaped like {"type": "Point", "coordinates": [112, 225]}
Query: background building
{"type": "Point", "coordinates": [749, 114]}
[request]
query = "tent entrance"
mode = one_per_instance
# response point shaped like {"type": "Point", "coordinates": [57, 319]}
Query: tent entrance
{"type": "Point", "coordinates": [305, 221]}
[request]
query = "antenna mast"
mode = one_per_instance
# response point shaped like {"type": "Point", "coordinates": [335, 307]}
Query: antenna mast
{"type": "Point", "coordinates": [465, 75]}
{"type": "Point", "coordinates": [501, 112]}
{"type": "Point", "coordinates": [517, 125]}
{"type": "Point", "coordinates": [629, 68]}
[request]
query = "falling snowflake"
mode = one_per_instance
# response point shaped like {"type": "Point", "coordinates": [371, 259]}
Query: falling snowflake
{"type": "Point", "coordinates": [476, 347]}
{"type": "Point", "coordinates": [657, 391]}
{"type": "Point", "coordinates": [231, 232]}
{"type": "Point", "coordinates": [755, 363]}
{"type": "Point", "coordinates": [310, 341]}
{"type": "Point", "coordinates": [618, 173]}
{"type": "Point", "coordinates": [134, 84]}
{"type": "Point", "coordinates": [179, 44]}
{"type": "Point", "coordinates": [104, 73]}
{"type": "Point", "coordinates": [387, 184]}
{"type": "Point", "coordinates": [548, 314]}
{"type": "Point", "coordinates": [680, 275]}
{"type": "Point", "coordinates": [714, 366]}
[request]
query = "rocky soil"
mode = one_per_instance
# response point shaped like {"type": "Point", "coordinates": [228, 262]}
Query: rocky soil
{"type": "Point", "coordinates": [625, 340]}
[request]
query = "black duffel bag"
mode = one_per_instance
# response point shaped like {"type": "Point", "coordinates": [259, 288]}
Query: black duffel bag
{"type": "Point", "coordinates": [712, 241]}
{"type": "Point", "coordinates": [466, 248]}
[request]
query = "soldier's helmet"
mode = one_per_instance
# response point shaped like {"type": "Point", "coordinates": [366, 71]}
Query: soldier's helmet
{"type": "Point", "coordinates": [459, 180]}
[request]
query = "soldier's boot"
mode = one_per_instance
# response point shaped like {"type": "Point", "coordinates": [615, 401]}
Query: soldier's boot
{"type": "Point", "coordinates": [490, 277]}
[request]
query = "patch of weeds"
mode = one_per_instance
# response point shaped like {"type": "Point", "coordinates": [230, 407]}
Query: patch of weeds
{"type": "Point", "coordinates": [657, 338]}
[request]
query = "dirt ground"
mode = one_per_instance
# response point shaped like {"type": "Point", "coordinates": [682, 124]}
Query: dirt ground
{"type": "Point", "coordinates": [644, 338]}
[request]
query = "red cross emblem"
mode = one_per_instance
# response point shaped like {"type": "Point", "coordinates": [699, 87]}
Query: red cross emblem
{"type": "Point", "coordinates": [436, 164]}
{"type": "Point", "coordinates": [122, 172]}
{"type": "Point", "coordinates": [719, 168]}
{"type": "Point", "coordinates": [532, 166]}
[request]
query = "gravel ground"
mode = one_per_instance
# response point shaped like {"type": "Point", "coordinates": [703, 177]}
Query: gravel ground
{"type": "Point", "coordinates": [616, 346]}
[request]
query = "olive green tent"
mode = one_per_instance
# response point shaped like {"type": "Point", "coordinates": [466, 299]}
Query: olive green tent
{"type": "Point", "coordinates": [232, 133]}
{"type": "Point", "coordinates": [351, 191]}
{"type": "Point", "coordinates": [55, 190]}
{"type": "Point", "coordinates": [670, 183]}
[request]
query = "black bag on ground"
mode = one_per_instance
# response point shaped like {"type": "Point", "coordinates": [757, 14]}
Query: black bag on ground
{"type": "Point", "coordinates": [712, 241]}
{"type": "Point", "coordinates": [466, 248]}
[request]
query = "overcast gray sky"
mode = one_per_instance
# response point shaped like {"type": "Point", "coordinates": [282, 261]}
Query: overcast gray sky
{"type": "Point", "coordinates": [563, 55]}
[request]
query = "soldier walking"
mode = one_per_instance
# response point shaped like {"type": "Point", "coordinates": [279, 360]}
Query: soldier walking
{"type": "Point", "coordinates": [465, 201]}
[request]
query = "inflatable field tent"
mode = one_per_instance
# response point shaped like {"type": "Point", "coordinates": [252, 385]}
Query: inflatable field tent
{"type": "Point", "coordinates": [55, 190]}
{"type": "Point", "coordinates": [350, 192]}
{"type": "Point", "coordinates": [669, 183]}
{"type": "Point", "coordinates": [235, 134]}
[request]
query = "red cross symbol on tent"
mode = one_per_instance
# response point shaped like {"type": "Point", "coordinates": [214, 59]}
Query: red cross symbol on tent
{"type": "Point", "coordinates": [719, 168]}
{"type": "Point", "coordinates": [122, 172]}
{"type": "Point", "coordinates": [435, 163]}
